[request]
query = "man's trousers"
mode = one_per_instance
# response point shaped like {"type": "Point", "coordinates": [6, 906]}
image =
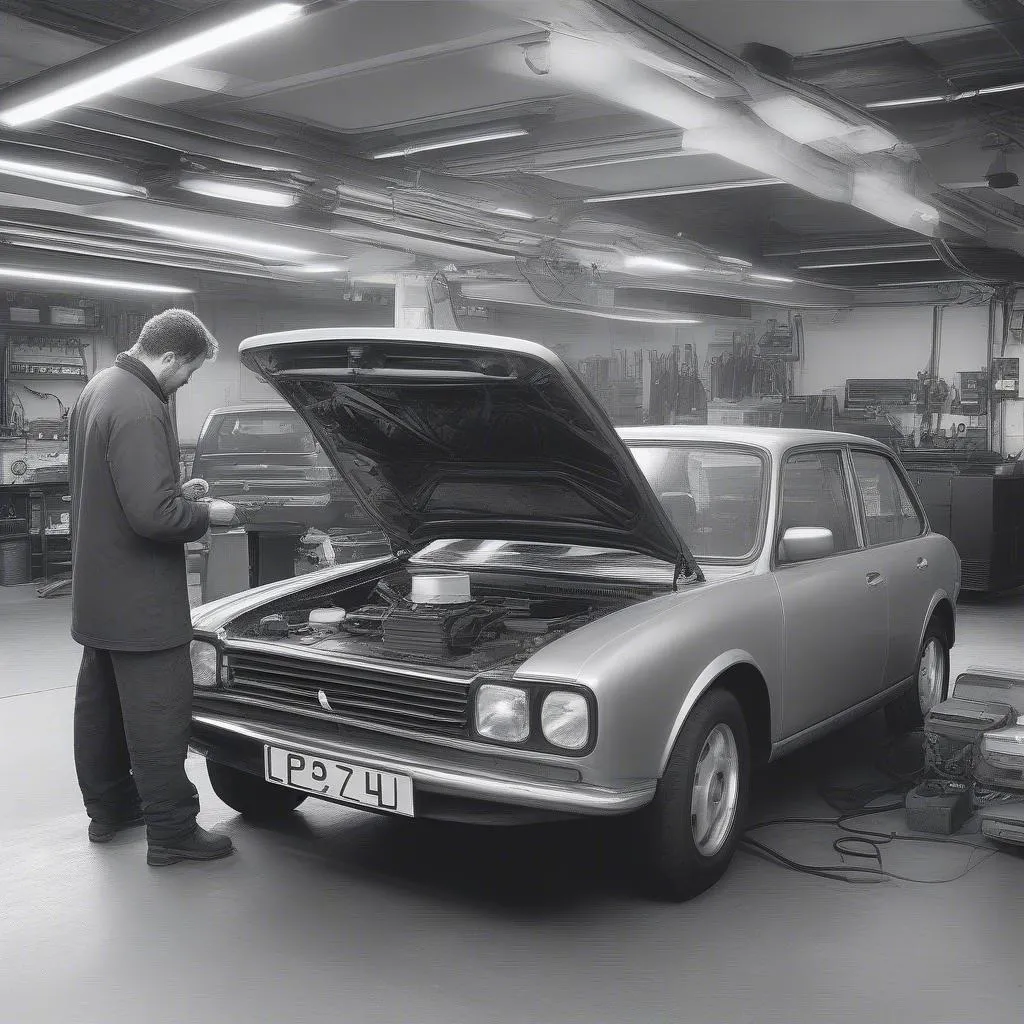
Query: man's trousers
{"type": "Point", "coordinates": [133, 715]}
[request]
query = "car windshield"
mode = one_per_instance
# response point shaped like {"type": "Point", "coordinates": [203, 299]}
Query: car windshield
{"type": "Point", "coordinates": [715, 496]}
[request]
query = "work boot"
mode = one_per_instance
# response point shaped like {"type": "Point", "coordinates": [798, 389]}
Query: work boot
{"type": "Point", "coordinates": [199, 845]}
{"type": "Point", "coordinates": [104, 831]}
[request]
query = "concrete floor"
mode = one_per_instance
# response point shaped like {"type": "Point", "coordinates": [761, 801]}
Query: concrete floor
{"type": "Point", "coordinates": [343, 916]}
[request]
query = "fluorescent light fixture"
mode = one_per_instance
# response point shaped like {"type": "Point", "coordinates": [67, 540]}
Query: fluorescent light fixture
{"type": "Point", "coordinates": [685, 190]}
{"type": "Point", "coordinates": [504, 211]}
{"type": "Point", "coordinates": [854, 248]}
{"type": "Point", "coordinates": [319, 268]}
{"type": "Point", "coordinates": [70, 179]}
{"type": "Point", "coordinates": [774, 278]}
{"type": "Point", "coordinates": [449, 143]}
{"type": "Point", "coordinates": [226, 34]}
{"type": "Point", "coordinates": [920, 101]}
{"type": "Point", "coordinates": [654, 263]}
{"type": "Point", "coordinates": [870, 263]}
{"type": "Point", "coordinates": [735, 261]}
{"type": "Point", "coordinates": [801, 121]}
{"type": "Point", "coordinates": [914, 284]}
{"type": "Point", "coordinates": [19, 273]}
{"type": "Point", "coordinates": [228, 243]}
{"type": "Point", "coordinates": [220, 189]}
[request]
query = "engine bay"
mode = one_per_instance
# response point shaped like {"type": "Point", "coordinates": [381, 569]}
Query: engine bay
{"type": "Point", "coordinates": [455, 620]}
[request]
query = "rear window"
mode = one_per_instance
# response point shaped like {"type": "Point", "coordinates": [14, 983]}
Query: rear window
{"type": "Point", "coordinates": [247, 432]}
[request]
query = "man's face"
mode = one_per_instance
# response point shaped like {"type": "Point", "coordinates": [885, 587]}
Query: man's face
{"type": "Point", "coordinates": [175, 372]}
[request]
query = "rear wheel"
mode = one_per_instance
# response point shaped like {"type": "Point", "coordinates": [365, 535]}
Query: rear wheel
{"type": "Point", "coordinates": [908, 711]}
{"type": "Point", "coordinates": [250, 795]}
{"type": "Point", "coordinates": [694, 824]}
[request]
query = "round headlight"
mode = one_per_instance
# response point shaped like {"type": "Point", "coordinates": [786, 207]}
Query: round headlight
{"type": "Point", "coordinates": [204, 664]}
{"type": "Point", "coordinates": [565, 720]}
{"type": "Point", "coordinates": [502, 713]}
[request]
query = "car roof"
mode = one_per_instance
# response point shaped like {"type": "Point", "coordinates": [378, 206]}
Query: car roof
{"type": "Point", "coordinates": [776, 440]}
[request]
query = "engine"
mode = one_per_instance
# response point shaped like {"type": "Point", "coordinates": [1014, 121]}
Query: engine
{"type": "Point", "coordinates": [436, 618]}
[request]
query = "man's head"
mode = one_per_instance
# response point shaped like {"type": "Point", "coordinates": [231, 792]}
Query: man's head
{"type": "Point", "coordinates": [174, 344]}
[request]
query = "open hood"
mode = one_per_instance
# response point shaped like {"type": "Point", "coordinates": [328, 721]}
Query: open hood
{"type": "Point", "coordinates": [444, 434]}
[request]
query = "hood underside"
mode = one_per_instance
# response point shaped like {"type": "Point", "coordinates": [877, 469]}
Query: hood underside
{"type": "Point", "coordinates": [443, 434]}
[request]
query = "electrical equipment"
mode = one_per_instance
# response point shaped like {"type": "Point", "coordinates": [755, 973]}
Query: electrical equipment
{"type": "Point", "coordinates": [1003, 822]}
{"type": "Point", "coordinates": [1006, 378]}
{"type": "Point", "coordinates": [937, 807]}
{"type": "Point", "coordinates": [953, 731]}
{"type": "Point", "coordinates": [864, 393]}
{"type": "Point", "coordinates": [973, 392]}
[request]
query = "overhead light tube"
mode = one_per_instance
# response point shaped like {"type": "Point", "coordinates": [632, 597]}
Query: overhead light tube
{"type": "Point", "coordinates": [150, 61]}
{"type": "Point", "coordinates": [51, 175]}
{"type": "Point", "coordinates": [449, 143]}
{"type": "Point", "coordinates": [869, 263]}
{"type": "Point", "coordinates": [684, 190]}
{"type": "Point", "coordinates": [258, 195]}
{"type": "Point", "coordinates": [956, 97]}
{"type": "Point", "coordinates": [655, 263]}
{"type": "Point", "coordinates": [21, 274]}
{"type": "Point", "coordinates": [228, 243]}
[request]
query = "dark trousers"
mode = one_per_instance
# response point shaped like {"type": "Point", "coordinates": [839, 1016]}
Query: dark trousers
{"type": "Point", "coordinates": [133, 716]}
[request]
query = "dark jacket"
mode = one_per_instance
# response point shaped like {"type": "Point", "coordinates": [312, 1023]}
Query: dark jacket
{"type": "Point", "coordinates": [129, 520]}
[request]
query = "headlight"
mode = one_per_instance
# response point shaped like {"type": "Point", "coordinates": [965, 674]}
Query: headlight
{"type": "Point", "coordinates": [502, 713]}
{"type": "Point", "coordinates": [565, 720]}
{"type": "Point", "coordinates": [204, 664]}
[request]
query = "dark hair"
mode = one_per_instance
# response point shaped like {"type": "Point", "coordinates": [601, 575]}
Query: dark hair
{"type": "Point", "coordinates": [177, 331]}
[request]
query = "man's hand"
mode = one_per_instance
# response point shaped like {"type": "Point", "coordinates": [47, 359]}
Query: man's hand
{"type": "Point", "coordinates": [195, 489]}
{"type": "Point", "coordinates": [223, 513]}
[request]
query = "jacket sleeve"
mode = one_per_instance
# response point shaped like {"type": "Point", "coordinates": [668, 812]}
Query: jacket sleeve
{"type": "Point", "coordinates": [147, 486]}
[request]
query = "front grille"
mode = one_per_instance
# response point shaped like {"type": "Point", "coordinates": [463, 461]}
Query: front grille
{"type": "Point", "coordinates": [353, 692]}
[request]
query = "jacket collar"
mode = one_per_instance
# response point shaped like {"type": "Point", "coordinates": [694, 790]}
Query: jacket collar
{"type": "Point", "coordinates": [143, 372]}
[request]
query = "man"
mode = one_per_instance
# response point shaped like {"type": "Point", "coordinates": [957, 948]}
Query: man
{"type": "Point", "coordinates": [130, 519]}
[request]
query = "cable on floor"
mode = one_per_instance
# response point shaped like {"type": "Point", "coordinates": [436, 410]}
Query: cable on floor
{"type": "Point", "coordinates": [852, 802]}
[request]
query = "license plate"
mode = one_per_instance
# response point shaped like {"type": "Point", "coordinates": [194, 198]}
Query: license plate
{"type": "Point", "coordinates": [341, 781]}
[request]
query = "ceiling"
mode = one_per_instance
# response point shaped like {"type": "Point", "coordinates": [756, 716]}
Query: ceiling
{"type": "Point", "coordinates": [595, 98]}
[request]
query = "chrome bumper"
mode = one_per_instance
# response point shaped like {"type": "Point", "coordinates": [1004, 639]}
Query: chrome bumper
{"type": "Point", "coordinates": [429, 774]}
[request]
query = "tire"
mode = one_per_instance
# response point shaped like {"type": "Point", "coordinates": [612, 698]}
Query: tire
{"type": "Point", "coordinates": [250, 795]}
{"type": "Point", "coordinates": [682, 857]}
{"type": "Point", "coordinates": [907, 712]}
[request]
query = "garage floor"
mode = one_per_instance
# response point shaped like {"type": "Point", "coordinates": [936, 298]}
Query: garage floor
{"type": "Point", "coordinates": [343, 916]}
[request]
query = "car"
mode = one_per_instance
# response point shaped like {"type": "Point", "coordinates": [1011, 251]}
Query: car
{"type": "Point", "coordinates": [575, 620]}
{"type": "Point", "coordinates": [262, 456]}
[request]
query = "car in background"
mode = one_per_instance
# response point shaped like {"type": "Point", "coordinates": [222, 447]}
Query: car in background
{"type": "Point", "coordinates": [574, 621]}
{"type": "Point", "coordinates": [264, 457]}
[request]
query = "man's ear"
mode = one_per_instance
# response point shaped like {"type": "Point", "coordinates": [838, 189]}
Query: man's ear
{"type": "Point", "coordinates": [168, 359]}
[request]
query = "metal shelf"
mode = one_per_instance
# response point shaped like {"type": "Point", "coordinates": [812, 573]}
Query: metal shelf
{"type": "Point", "coordinates": [75, 378]}
{"type": "Point", "coordinates": [9, 327]}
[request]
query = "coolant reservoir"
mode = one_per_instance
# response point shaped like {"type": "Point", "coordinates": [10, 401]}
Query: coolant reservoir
{"type": "Point", "coordinates": [441, 588]}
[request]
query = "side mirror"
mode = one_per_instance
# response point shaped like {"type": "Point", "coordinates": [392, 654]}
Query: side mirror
{"type": "Point", "coordinates": [805, 543]}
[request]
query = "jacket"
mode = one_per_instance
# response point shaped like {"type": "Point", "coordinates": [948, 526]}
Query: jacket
{"type": "Point", "coordinates": [129, 519]}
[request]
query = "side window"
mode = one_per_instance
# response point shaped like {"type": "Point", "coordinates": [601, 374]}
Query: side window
{"type": "Point", "coordinates": [814, 493]}
{"type": "Point", "coordinates": [888, 508]}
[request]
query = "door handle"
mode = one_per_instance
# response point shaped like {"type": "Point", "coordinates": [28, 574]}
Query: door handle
{"type": "Point", "coordinates": [922, 563]}
{"type": "Point", "coordinates": [875, 579]}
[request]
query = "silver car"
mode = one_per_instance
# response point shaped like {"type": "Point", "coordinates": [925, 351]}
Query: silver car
{"type": "Point", "coordinates": [575, 620]}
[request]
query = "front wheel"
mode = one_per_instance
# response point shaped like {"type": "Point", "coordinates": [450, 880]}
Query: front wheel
{"type": "Point", "coordinates": [694, 824]}
{"type": "Point", "coordinates": [907, 712]}
{"type": "Point", "coordinates": [250, 795]}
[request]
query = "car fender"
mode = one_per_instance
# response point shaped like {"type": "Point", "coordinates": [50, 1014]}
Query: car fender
{"type": "Point", "coordinates": [703, 683]}
{"type": "Point", "coordinates": [938, 597]}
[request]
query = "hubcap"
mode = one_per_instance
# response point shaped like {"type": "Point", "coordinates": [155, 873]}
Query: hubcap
{"type": "Point", "coordinates": [716, 791]}
{"type": "Point", "coordinates": [931, 675]}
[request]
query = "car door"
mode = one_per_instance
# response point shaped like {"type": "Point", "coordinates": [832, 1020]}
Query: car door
{"type": "Point", "coordinates": [895, 533]}
{"type": "Point", "coordinates": [836, 607]}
